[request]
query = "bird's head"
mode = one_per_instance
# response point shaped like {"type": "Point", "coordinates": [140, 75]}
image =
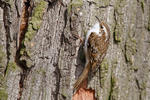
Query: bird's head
{"type": "Point", "coordinates": [104, 29]}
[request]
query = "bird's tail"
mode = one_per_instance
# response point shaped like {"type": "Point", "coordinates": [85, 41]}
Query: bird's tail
{"type": "Point", "coordinates": [82, 77]}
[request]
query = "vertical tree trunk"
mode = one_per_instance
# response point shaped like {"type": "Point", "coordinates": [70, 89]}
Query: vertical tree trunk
{"type": "Point", "coordinates": [41, 55]}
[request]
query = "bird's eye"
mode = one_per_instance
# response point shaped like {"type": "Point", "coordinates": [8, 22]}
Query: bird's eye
{"type": "Point", "coordinates": [101, 26]}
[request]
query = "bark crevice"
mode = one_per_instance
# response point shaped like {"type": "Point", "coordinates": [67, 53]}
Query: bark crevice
{"type": "Point", "coordinates": [6, 19]}
{"type": "Point", "coordinates": [110, 97]}
{"type": "Point", "coordinates": [139, 88]}
{"type": "Point", "coordinates": [18, 15]}
{"type": "Point", "coordinates": [115, 27]}
{"type": "Point", "coordinates": [58, 77]}
{"type": "Point", "coordinates": [26, 12]}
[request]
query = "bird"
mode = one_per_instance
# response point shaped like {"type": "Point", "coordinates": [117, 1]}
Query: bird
{"type": "Point", "coordinates": [95, 48]}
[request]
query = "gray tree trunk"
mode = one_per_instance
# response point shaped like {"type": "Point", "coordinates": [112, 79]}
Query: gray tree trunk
{"type": "Point", "coordinates": [41, 56]}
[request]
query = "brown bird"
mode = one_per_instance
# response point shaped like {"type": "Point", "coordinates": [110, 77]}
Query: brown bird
{"type": "Point", "coordinates": [95, 47]}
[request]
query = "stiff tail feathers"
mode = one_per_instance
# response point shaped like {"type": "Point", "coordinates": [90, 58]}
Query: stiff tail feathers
{"type": "Point", "coordinates": [82, 77]}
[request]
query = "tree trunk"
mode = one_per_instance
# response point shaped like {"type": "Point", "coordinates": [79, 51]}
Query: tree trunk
{"type": "Point", "coordinates": [41, 55]}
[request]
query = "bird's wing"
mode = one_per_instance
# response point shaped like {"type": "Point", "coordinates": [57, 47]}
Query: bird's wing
{"type": "Point", "coordinates": [97, 47]}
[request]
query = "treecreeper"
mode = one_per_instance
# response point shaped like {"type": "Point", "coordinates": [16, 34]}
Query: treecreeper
{"type": "Point", "coordinates": [95, 48]}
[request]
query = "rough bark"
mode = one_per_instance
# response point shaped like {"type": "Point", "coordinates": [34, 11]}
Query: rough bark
{"type": "Point", "coordinates": [41, 55]}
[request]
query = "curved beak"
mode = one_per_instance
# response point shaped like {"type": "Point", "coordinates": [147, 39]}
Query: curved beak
{"type": "Point", "coordinates": [98, 19]}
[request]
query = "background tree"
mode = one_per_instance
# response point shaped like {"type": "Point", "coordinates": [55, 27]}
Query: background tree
{"type": "Point", "coordinates": [41, 56]}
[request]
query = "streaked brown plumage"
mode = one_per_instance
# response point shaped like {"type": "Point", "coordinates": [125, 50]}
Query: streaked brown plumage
{"type": "Point", "coordinates": [95, 50]}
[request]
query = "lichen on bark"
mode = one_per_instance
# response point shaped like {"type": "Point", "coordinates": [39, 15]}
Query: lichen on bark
{"type": "Point", "coordinates": [53, 49]}
{"type": "Point", "coordinates": [35, 20]}
{"type": "Point", "coordinates": [130, 50]}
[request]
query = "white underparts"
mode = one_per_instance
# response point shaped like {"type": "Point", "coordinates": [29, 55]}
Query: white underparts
{"type": "Point", "coordinates": [105, 30]}
{"type": "Point", "coordinates": [96, 29]}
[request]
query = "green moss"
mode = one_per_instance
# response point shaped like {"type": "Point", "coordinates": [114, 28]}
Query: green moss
{"type": "Point", "coordinates": [75, 4]}
{"type": "Point", "coordinates": [100, 3]}
{"type": "Point", "coordinates": [103, 72]}
{"type": "Point", "coordinates": [119, 6]}
{"type": "Point", "coordinates": [117, 36]}
{"type": "Point", "coordinates": [134, 68]}
{"type": "Point", "coordinates": [113, 82]}
{"type": "Point", "coordinates": [33, 80]}
{"type": "Point", "coordinates": [0, 26]}
{"type": "Point", "coordinates": [149, 23]}
{"type": "Point", "coordinates": [33, 27]}
{"type": "Point", "coordinates": [22, 51]}
{"type": "Point", "coordinates": [7, 1]}
{"type": "Point", "coordinates": [143, 85]}
{"type": "Point", "coordinates": [119, 25]}
{"type": "Point", "coordinates": [36, 20]}
{"type": "Point", "coordinates": [3, 94]}
{"type": "Point", "coordinates": [10, 2]}
{"type": "Point", "coordinates": [114, 63]}
{"type": "Point", "coordinates": [128, 57]}
{"type": "Point", "coordinates": [142, 5]}
{"type": "Point", "coordinates": [113, 89]}
{"type": "Point", "coordinates": [130, 50]}
{"type": "Point", "coordinates": [11, 67]}
{"type": "Point", "coordinates": [64, 94]}
{"type": "Point", "coordinates": [104, 65]}
{"type": "Point", "coordinates": [41, 71]}
{"type": "Point", "coordinates": [144, 93]}
{"type": "Point", "coordinates": [2, 81]}
{"type": "Point", "coordinates": [2, 54]}
{"type": "Point", "coordinates": [106, 2]}
{"type": "Point", "coordinates": [113, 93]}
